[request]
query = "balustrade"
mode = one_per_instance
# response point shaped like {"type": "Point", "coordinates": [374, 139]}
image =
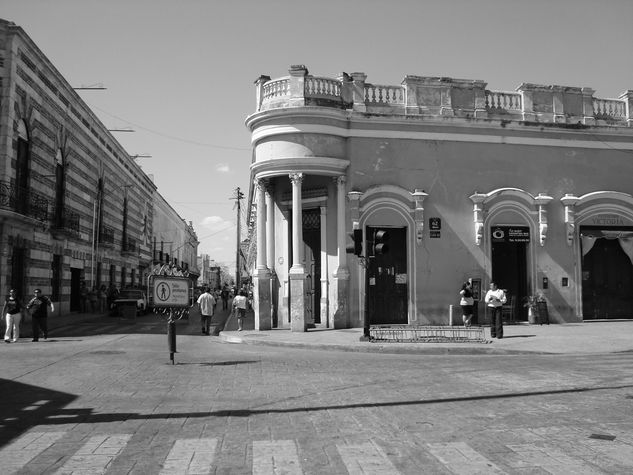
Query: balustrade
{"type": "Point", "coordinates": [290, 90]}
{"type": "Point", "coordinates": [378, 94]}
{"type": "Point", "coordinates": [506, 101]}
{"type": "Point", "coordinates": [613, 109]}
{"type": "Point", "coordinates": [319, 86]}
{"type": "Point", "coordinates": [276, 88]}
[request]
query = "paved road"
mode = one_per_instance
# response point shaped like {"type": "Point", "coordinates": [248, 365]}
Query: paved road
{"type": "Point", "coordinates": [104, 398]}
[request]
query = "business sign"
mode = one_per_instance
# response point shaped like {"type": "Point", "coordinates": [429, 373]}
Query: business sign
{"type": "Point", "coordinates": [510, 234]}
{"type": "Point", "coordinates": [169, 291]}
{"type": "Point", "coordinates": [435, 224]}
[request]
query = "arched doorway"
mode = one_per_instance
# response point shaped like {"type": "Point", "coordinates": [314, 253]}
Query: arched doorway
{"type": "Point", "coordinates": [607, 273]}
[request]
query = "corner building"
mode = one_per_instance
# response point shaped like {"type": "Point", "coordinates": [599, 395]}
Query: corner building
{"type": "Point", "coordinates": [531, 189]}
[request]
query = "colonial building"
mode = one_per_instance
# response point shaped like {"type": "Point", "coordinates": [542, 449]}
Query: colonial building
{"type": "Point", "coordinates": [531, 189]}
{"type": "Point", "coordinates": [74, 206]}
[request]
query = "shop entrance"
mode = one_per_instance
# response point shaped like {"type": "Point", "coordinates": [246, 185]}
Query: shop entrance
{"type": "Point", "coordinates": [387, 279]}
{"type": "Point", "coordinates": [607, 273]}
{"type": "Point", "coordinates": [509, 267]}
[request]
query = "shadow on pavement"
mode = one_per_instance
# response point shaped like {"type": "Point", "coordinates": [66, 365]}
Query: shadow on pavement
{"type": "Point", "coordinates": [25, 406]}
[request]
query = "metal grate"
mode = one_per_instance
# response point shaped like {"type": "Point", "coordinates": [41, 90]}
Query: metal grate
{"type": "Point", "coordinates": [311, 219]}
{"type": "Point", "coordinates": [426, 334]}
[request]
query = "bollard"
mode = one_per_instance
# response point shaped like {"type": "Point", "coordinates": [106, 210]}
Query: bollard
{"type": "Point", "coordinates": [171, 338]}
{"type": "Point", "coordinates": [450, 315]}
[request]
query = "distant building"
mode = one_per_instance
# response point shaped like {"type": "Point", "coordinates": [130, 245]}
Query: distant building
{"type": "Point", "coordinates": [74, 206]}
{"type": "Point", "coordinates": [531, 189]}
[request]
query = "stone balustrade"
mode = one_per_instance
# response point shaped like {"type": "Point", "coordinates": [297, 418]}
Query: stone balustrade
{"type": "Point", "coordinates": [441, 96]}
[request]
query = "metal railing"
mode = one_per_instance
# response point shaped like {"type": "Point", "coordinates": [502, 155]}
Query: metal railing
{"type": "Point", "coordinates": [23, 201]}
{"type": "Point", "coordinates": [426, 334]}
{"type": "Point", "coordinates": [67, 220]}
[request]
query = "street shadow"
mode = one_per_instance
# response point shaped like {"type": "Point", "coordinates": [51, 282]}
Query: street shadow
{"type": "Point", "coordinates": [25, 406]}
{"type": "Point", "coordinates": [505, 337]}
{"type": "Point", "coordinates": [30, 406]}
{"type": "Point", "coordinates": [219, 363]}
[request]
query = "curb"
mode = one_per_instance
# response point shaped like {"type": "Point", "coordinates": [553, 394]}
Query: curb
{"type": "Point", "coordinates": [390, 348]}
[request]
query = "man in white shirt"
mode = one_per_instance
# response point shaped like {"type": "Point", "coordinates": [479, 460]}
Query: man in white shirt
{"type": "Point", "coordinates": [206, 302]}
{"type": "Point", "coordinates": [495, 298]}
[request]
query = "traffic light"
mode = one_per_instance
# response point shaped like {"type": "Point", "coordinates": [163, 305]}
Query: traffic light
{"type": "Point", "coordinates": [379, 245]}
{"type": "Point", "coordinates": [357, 247]}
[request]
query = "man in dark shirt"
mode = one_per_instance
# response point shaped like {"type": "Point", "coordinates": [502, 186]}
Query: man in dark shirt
{"type": "Point", "coordinates": [39, 314]}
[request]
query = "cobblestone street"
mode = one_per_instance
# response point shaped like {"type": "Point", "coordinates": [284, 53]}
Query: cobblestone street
{"type": "Point", "coordinates": [98, 400]}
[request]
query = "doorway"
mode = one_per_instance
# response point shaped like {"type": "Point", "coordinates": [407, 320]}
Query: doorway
{"type": "Point", "coordinates": [509, 267]}
{"type": "Point", "coordinates": [75, 289]}
{"type": "Point", "coordinates": [312, 264]}
{"type": "Point", "coordinates": [18, 272]}
{"type": "Point", "coordinates": [386, 279]}
{"type": "Point", "coordinates": [607, 280]}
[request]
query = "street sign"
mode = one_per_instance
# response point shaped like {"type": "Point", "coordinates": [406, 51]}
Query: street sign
{"type": "Point", "coordinates": [168, 291]}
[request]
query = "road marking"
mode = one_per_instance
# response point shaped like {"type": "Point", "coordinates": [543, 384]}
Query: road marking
{"type": "Point", "coordinates": [550, 459]}
{"type": "Point", "coordinates": [190, 456]}
{"type": "Point", "coordinates": [95, 455]}
{"type": "Point", "coordinates": [20, 452]}
{"type": "Point", "coordinates": [366, 459]}
{"type": "Point", "coordinates": [276, 457]}
{"type": "Point", "coordinates": [461, 459]}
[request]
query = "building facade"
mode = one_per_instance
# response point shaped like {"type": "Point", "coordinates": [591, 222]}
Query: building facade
{"type": "Point", "coordinates": [529, 188]}
{"type": "Point", "coordinates": [74, 206]}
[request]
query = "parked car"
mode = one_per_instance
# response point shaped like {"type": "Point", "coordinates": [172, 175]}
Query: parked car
{"type": "Point", "coordinates": [131, 297]}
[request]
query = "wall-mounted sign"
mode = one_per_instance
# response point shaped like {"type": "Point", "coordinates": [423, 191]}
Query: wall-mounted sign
{"type": "Point", "coordinates": [434, 234]}
{"type": "Point", "coordinates": [510, 233]}
{"type": "Point", "coordinates": [435, 224]}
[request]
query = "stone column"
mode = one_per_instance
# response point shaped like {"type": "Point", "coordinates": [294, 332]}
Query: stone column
{"type": "Point", "coordinates": [358, 91]}
{"type": "Point", "coordinates": [323, 307]}
{"type": "Point", "coordinates": [297, 271]}
{"type": "Point", "coordinates": [298, 73]}
{"type": "Point", "coordinates": [627, 97]}
{"type": "Point", "coordinates": [259, 94]}
{"type": "Point", "coordinates": [478, 215]}
{"type": "Point", "coordinates": [270, 245]}
{"type": "Point", "coordinates": [587, 106]}
{"type": "Point", "coordinates": [569, 202]}
{"type": "Point", "coordinates": [261, 275]}
{"type": "Point", "coordinates": [341, 274]}
{"type": "Point", "coordinates": [541, 201]}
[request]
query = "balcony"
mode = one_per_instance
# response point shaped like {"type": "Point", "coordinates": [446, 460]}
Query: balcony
{"type": "Point", "coordinates": [66, 222]}
{"type": "Point", "coordinates": [130, 246]}
{"type": "Point", "coordinates": [106, 236]}
{"type": "Point", "coordinates": [443, 96]}
{"type": "Point", "coordinates": [23, 201]}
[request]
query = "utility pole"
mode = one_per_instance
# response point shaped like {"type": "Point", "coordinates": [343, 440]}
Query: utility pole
{"type": "Point", "coordinates": [239, 196]}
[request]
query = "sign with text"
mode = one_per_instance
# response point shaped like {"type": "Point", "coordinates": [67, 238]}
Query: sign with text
{"type": "Point", "coordinates": [168, 291]}
{"type": "Point", "coordinates": [510, 233]}
{"type": "Point", "coordinates": [435, 224]}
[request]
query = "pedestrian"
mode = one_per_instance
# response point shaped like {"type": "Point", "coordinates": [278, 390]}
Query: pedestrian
{"type": "Point", "coordinates": [39, 316]}
{"type": "Point", "coordinates": [93, 298]}
{"type": "Point", "coordinates": [112, 293]}
{"type": "Point", "coordinates": [466, 302]}
{"type": "Point", "coordinates": [225, 297]}
{"type": "Point", "coordinates": [495, 298]}
{"type": "Point", "coordinates": [206, 302]}
{"type": "Point", "coordinates": [83, 294]}
{"type": "Point", "coordinates": [103, 299]}
{"type": "Point", "coordinates": [239, 306]}
{"type": "Point", "coordinates": [12, 311]}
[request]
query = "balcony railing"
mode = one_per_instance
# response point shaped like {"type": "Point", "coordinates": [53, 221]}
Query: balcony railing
{"type": "Point", "coordinates": [445, 97]}
{"type": "Point", "coordinates": [130, 245]}
{"type": "Point", "coordinates": [106, 236]}
{"type": "Point", "coordinates": [66, 220]}
{"type": "Point", "coordinates": [23, 201]}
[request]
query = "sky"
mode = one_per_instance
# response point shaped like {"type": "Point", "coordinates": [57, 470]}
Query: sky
{"type": "Point", "coordinates": [181, 73]}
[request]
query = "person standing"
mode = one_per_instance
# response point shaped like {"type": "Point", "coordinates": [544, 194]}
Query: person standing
{"type": "Point", "coordinates": [39, 315]}
{"type": "Point", "coordinates": [206, 302]}
{"type": "Point", "coordinates": [495, 298]}
{"type": "Point", "coordinates": [12, 310]}
{"type": "Point", "coordinates": [466, 303]}
{"type": "Point", "coordinates": [239, 304]}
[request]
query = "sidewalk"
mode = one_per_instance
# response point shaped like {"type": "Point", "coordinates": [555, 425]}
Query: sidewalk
{"type": "Point", "coordinates": [590, 337]}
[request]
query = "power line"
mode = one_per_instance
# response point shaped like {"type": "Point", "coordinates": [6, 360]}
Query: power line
{"type": "Point", "coordinates": [172, 137]}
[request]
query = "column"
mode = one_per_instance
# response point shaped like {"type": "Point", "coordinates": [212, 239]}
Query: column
{"type": "Point", "coordinates": [261, 275]}
{"type": "Point", "coordinates": [569, 202]}
{"type": "Point", "coordinates": [478, 215]}
{"type": "Point", "coordinates": [341, 274]}
{"type": "Point", "coordinates": [323, 307]}
{"type": "Point", "coordinates": [270, 249]}
{"type": "Point", "coordinates": [297, 271]}
{"type": "Point", "coordinates": [541, 201]}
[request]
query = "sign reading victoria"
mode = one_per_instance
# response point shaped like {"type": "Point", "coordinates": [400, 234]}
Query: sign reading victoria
{"type": "Point", "coordinates": [510, 233]}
